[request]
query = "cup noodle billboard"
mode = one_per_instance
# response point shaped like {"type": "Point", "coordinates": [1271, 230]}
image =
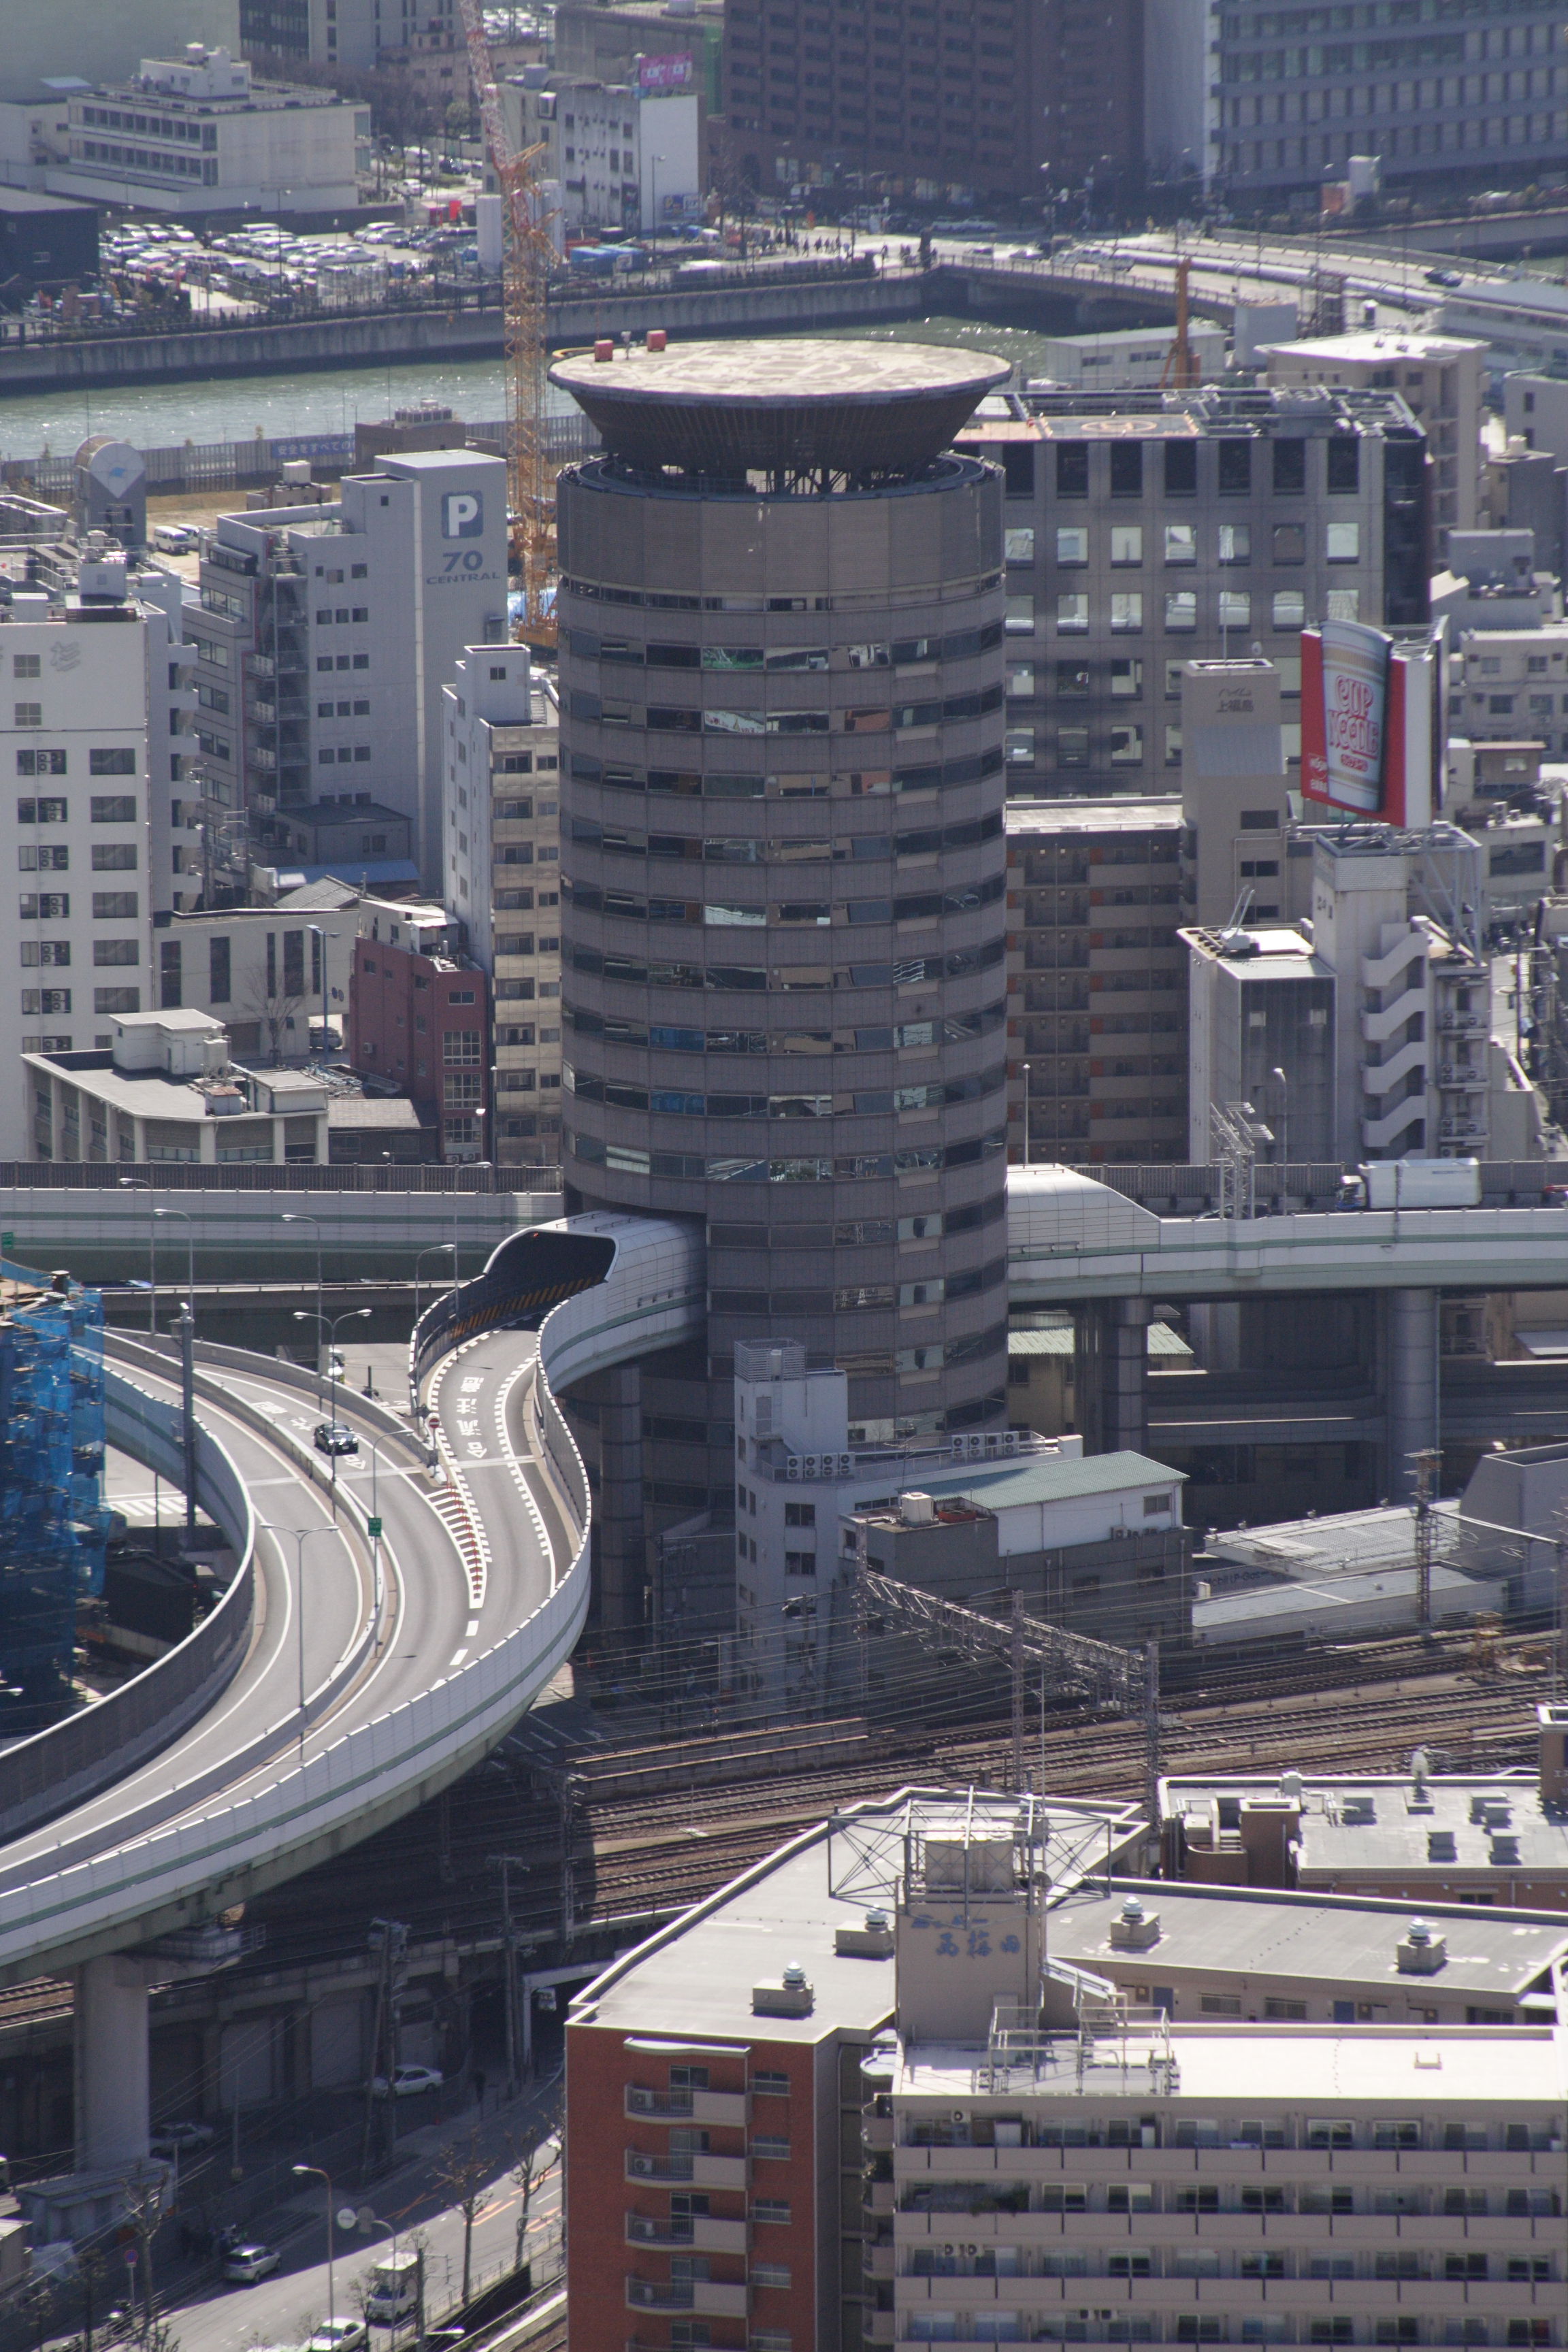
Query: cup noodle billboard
{"type": "Point", "coordinates": [1372, 723]}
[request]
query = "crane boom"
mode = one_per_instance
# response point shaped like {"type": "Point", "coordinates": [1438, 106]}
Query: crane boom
{"type": "Point", "coordinates": [526, 257]}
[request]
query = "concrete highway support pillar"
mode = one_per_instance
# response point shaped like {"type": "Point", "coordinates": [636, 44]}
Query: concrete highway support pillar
{"type": "Point", "coordinates": [1111, 1375]}
{"type": "Point", "coordinates": [112, 2109]}
{"type": "Point", "coordinates": [1410, 1328]}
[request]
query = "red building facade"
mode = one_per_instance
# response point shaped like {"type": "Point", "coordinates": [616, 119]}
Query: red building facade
{"type": "Point", "coordinates": [421, 1022]}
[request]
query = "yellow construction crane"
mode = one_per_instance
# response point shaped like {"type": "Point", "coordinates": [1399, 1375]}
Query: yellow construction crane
{"type": "Point", "coordinates": [526, 258]}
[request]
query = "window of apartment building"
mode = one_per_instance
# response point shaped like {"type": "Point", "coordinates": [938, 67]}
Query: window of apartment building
{"type": "Point", "coordinates": [1290, 609]}
{"type": "Point", "coordinates": [1072, 544]}
{"type": "Point", "coordinates": [1290, 468]}
{"type": "Point", "coordinates": [112, 808]}
{"type": "Point", "coordinates": [219, 970]}
{"type": "Point", "coordinates": [1234, 468]}
{"type": "Point", "coordinates": [1181, 470]}
{"type": "Point", "coordinates": [1020, 680]}
{"type": "Point", "coordinates": [1290, 542]}
{"type": "Point", "coordinates": [1126, 469]}
{"type": "Point", "coordinates": [1127, 746]}
{"type": "Point", "coordinates": [48, 906]}
{"type": "Point", "coordinates": [1342, 605]}
{"type": "Point", "coordinates": [1126, 543]}
{"type": "Point", "coordinates": [1181, 609]}
{"type": "Point", "coordinates": [1018, 745]}
{"type": "Point", "coordinates": [40, 763]}
{"type": "Point", "coordinates": [1235, 609]}
{"type": "Point", "coordinates": [1342, 542]}
{"type": "Point", "coordinates": [1180, 542]}
{"type": "Point", "coordinates": [1072, 469]}
{"type": "Point", "coordinates": [1126, 613]}
{"type": "Point", "coordinates": [1020, 618]}
{"type": "Point", "coordinates": [1235, 542]}
{"type": "Point", "coordinates": [1172, 747]}
{"type": "Point", "coordinates": [26, 665]}
{"type": "Point", "coordinates": [27, 714]}
{"type": "Point", "coordinates": [1073, 680]}
{"type": "Point", "coordinates": [1343, 473]}
{"type": "Point", "coordinates": [1072, 747]}
{"type": "Point", "coordinates": [1072, 616]}
{"type": "Point", "coordinates": [111, 762]}
{"type": "Point", "coordinates": [1018, 545]}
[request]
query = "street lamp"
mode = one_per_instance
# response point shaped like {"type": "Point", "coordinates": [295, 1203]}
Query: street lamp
{"type": "Point", "coordinates": [326, 994]}
{"type": "Point", "coordinates": [1027, 1083]}
{"type": "Point", "coordinates": [187, 1330]}
{"type": "Point", "coordinates": [136, 1184]}
{"type": "Point", "coordinates": [302, 2172]}
{"type": "Point", "coordinates": [299, 1538]}
{"type": "Point", "coordinates": [433, 1249]}
{"type": "Point", "coordinates": [349, 1315]}
{"type": "Point", "coordinates": [303, 1217]}
{"type": "Point", "coordinates": [364, 2220]}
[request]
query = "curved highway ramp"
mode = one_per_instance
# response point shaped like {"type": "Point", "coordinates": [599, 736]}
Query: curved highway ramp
{"type": "Point", "coordinates": [384, 1629]}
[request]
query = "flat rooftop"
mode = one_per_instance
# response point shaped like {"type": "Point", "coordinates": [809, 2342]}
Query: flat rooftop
{"type": "Point", "coordinates": [1358, 2067]}
{"type": "Point", "coordinates": [1376, 347]}
{"type": "Point", "coordinates": [1470, 1827]}
{"type": "Point", "coordinates": [1258, 1936]}
{"type": "Point", "coordinates": [1025, 817]}
{"type": "Point", "coordinates": [726, 408]}
{"type": "Point", "coordinates": [695, 1978]}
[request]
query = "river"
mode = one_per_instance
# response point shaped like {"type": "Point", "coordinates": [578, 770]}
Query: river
{"type": "Point", "coordinates": [234, 408]}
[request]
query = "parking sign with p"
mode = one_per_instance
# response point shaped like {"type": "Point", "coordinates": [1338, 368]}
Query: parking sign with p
{"type": "Point", "coordinates": [462, 514]}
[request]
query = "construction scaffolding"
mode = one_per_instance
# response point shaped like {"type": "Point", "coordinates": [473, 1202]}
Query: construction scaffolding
{"type": "Point", "coordinates": [53, 1522]}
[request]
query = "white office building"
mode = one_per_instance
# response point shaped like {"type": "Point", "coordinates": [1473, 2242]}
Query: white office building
{"type": "Point", "coordinates": [807, 1478]}
{"type": "Point", "coordinates": [625, 158]}
{"type": "Point", "coordinates": [197, 133]}
{"type": "Point", "coordinates": [502, 878]}
{"type": "Point", "coordinates": [325, 636]}
{"type": "Point", "coordinates": [92, 701]}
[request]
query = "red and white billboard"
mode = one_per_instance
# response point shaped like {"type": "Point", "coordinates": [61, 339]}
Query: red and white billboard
{"type": "Point", "coordinates": [666, 72]}
{"type": "Point", "coordinates": [1372, 723]}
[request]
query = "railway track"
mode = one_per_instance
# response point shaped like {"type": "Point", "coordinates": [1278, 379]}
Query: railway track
{"type": "Point", "coordinates": [664, 1851]}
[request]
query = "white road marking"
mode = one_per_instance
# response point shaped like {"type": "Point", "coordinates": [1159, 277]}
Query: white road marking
{"type": "Point", "coordinates": [458, 1656]}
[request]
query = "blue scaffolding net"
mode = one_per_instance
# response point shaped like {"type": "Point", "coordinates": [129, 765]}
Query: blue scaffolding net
{"type": "Point", "coordinates": [53, 1521]}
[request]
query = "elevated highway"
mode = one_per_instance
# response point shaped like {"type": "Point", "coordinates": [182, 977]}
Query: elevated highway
{"type": "Point", "coordinates": [387, 1622]}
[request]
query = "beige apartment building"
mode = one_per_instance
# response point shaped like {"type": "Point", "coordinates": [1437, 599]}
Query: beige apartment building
{"type": "Point", "coordinates": [1440, 380]}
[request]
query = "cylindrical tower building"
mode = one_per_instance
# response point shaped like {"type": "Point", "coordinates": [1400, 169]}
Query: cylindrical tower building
{"type": "Point", "coordinates": [783, 862]}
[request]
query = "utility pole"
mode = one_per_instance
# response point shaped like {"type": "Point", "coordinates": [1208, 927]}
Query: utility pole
{"type": "Point", "coordinates": [1428, 1462]}
{"type": "Point", "coordinates": [570, 1786]}
{"type": "Point", "coordinates": [1152, 1734]}
{"type": "Point", "coordinates": [506, 1863]}
{"type": "Point", "coordinates": [1016, 1655]}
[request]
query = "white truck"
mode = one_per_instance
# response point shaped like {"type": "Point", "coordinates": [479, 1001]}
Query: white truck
{"type": "Point", "coordinates": [397, 2286]}
{"type": "Point", "coordinates": [1421, 1183]}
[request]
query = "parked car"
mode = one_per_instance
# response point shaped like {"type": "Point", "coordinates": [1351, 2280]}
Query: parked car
{"type": "Point", "coordinates": [334, 1437]}
{"type": "Point", "coordinates": [338, 2336]}
{"type": "Point", "coordinates": [249, 2261]}
{"type": "Point", "coordinates": [407, 2082]}
{"type": "Point", "coordinates": [1443, 277]}
{"type": "Point", "coordinates": [182, 2140]}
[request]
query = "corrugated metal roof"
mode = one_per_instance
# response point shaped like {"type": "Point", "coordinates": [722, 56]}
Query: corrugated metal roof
{"type": "Point", "coordinates": [1051, 1479]}
{"type": "Point", "coordinates": [1162, 1342]}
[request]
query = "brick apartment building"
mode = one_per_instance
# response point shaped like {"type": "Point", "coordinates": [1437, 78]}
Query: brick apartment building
{"type": "Point", "coordinates": [1096, 984]}
{"type": "Point", "coordinates": [419, 1018]}
{"type": "Point", "coordinates": [933, 2073]}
